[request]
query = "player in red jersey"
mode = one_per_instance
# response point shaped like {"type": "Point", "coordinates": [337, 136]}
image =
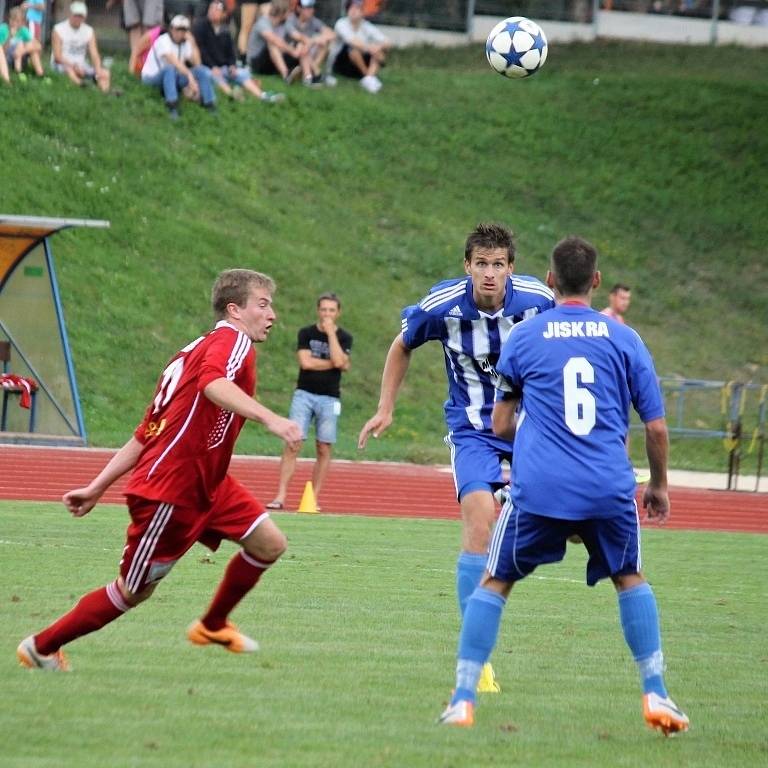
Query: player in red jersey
{"type": "Point", "coordinates": [179, 491]}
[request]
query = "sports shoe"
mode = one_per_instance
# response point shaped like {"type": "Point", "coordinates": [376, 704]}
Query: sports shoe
{"type": "Point", "coordinates": [293, 75]}
{"type": "Point", "coordinates": [270, 97]}
{"type": "Point", "coordinates": [229, 637]}
{"type": "Point", "coordinates": [461, 714]}
{"type": "Point", "coordinates": [330, 81]}
{"type": "Point", "coordinates": [663, 714]}
{"type": "Point", "coordinates": [367, 83]}
{"type": "Point", "coordinates": [29, 657]}
{"type": "Point", "coordinates": [487, 682]}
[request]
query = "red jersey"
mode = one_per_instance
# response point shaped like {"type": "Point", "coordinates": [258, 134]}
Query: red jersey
{"type": "Point", "coordinates": [188, 440]}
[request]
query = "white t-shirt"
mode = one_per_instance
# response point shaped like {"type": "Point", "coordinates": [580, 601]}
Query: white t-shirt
{"type": "Point", "coordinates": [366, 33]}
{"type": "Point", "coordinates": [74, 42]}
{"type": "Point", "coordinates": [162, 46]}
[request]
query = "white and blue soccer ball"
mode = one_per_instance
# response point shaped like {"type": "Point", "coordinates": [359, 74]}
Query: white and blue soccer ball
{"type": "Point", "coordinates": [516, 47]}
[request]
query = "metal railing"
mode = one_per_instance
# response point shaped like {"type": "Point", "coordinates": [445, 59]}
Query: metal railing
{"type": "Point", "coordinates": [731, 411]}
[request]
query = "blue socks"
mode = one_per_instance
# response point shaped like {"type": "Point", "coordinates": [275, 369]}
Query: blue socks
{"type": "Point", "coordinates": [640, 623]}
{"type": "Point", "coordinates": [479, 631]}
{"type": "Point", "coordinates": [469, 571]}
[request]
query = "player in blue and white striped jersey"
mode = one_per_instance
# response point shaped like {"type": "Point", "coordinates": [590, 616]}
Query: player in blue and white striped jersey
{"type": "Point", "coordinates": [471, 317]}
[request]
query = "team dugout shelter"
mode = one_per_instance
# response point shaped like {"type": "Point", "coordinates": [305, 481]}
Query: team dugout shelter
{"type": "Point", "coordinates": [40, 401]}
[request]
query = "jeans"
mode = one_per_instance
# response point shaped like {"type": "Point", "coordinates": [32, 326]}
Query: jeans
{"type": "Point", "coordinates": [170, 80]}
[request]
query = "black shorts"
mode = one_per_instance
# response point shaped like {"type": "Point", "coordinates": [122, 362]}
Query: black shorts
{"type": "Point", "coordinates": [263, 64]}
{"type": "Point", "coordinates": [343, 64]}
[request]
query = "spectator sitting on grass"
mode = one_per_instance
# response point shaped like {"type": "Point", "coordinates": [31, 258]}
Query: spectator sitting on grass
{"type": "Point", "coordinates": [217, 51]}
{"type": "Point", "coordinates": [174, 63]}
{"type": "Point", "coordinates": [304, 27]}
{"type": "Point", "coordinates": [73, 44]}
{"type": "Point", "coordinates": [361, 50]}
{"type": "Point", "coordinates": [269, 52]}
{"type": "Point", "coordinates": [18, 44]}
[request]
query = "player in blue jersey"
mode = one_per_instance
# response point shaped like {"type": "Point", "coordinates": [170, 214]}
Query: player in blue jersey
{"type": "Point", "coordinates": [573, 373]}
{"type": "Point", "coordinates": [471, 317]}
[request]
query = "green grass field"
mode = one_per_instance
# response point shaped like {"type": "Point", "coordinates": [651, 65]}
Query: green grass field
{"type": "Point", "coordinates": [657, 153]}
{"type": "Point", "coordinates": [358, 629]}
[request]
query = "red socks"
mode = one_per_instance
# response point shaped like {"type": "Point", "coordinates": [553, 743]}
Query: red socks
{"type": "Point", "coordinates": [241, 576]}
{"type": "Point", "coordinates": [103, 605]}
{"type": "Point", "coordinates": [92, 612]}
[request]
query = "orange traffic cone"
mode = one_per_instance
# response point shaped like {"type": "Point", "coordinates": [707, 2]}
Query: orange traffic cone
{"type": "Point", "coordinates": [308, 503]}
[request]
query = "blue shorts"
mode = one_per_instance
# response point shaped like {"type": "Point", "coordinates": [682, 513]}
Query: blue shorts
{"type": "Point", "coordinates": [240, 76]}
{"type": "Point", "coordinates": [522, 541]}
{"type": "Point", "coordinates": [323, 409]}
{"type": "Point", "coordinates": [476, 460]}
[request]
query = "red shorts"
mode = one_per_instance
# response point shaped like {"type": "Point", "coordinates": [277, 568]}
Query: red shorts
{"type": "Point", "coordinates": [160, 533]}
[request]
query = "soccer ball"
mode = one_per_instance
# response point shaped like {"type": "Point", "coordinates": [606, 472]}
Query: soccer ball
{"type": "Point", "coordinates": [516, 47]}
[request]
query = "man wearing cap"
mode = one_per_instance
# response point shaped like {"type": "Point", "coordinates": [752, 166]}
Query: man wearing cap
{"type": "Point", "coordinates": [304, 27]}
{"type": "Point", "coordinates": [73, 44]}
{"type": "Point", "coordinates": [361, 49]}
{"type": "Point", "coordinates": [217, 52]}
{"type": "Point", "coordinates": [174, 63]}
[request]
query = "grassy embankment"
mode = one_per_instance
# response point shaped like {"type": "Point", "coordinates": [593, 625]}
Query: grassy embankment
{"type": "Point", "coordinates": [657, 154]}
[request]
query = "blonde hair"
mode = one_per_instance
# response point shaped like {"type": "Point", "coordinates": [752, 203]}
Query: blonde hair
{"type": "Point", "coordinates": [233, 286]}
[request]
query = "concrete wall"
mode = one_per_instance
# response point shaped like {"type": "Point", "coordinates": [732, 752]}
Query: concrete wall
{"type": "Point", "coordinates": [610, 25]}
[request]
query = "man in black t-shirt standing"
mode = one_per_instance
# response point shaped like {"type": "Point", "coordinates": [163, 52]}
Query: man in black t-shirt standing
{"type": "Point", "coordinates": [323, 352]}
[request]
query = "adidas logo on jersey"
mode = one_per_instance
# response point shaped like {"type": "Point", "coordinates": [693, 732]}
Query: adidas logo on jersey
{"type": "Point", "coordinates": [456, 312]}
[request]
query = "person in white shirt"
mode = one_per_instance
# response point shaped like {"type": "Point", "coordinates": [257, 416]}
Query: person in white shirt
{"type": "Point", "coordinates": [74, 51]}
{"type": "Point", "coordinates": [361, 50]}
{"type": "Point", "coordinates": [173, 63]}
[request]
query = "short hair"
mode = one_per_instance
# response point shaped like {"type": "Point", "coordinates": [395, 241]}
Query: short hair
{"type": "Point", "coordinates": [489, 237]}
{"type": "Point", "coordinates": [233, 286]}
{"type": "Point", "coordinates": [329, 296]}
{"type": "Point", "coordinates": [619, 287]}
{"type": "Point", "coordinates": [573, 264]}
{"type": "Point", "coordinates": [278, 7]}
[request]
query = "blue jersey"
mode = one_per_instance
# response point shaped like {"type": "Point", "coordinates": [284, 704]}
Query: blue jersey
{"type": "Point", "coordinates": [579, 372]}
{"type": "Point", "coordinates": [471, 340]}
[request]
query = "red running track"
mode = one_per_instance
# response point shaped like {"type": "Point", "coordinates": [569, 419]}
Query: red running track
{"type": "Point", "coordinates": [353, 487]}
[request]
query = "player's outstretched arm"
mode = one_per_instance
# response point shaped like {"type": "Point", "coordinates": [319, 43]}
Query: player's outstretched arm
{"type": "Point", "coordinates": [226, 394]}
{"type": "Point", "coordinates": [81, 501]}
{"type": "Point", "coordinates": [395, 368]}
{"type": "Point", "coordinates": [655, 496]}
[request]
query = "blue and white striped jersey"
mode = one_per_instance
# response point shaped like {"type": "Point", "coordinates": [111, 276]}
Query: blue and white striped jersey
{"type": "Point", "coordinates": [471, 340]}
